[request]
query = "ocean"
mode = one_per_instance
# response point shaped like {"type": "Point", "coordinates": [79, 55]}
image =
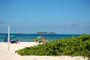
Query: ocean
{"type": "Point", "coordinates": [31, 37]}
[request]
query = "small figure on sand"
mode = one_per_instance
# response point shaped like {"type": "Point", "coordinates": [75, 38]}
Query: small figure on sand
{"type": "Point", "coordinates": [35, 40]}
{"type": "Point", "coordinates": [40, 39]}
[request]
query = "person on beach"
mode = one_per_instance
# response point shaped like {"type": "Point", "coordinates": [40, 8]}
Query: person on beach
{"type": "Point", "coordinates": [40, 39]}
{"type": "Point", "coordinates": [43, 40]}
{"type": "Point", "coordinates": [5, 39]}
{"type": "Point", "coordinates": [35, 40]}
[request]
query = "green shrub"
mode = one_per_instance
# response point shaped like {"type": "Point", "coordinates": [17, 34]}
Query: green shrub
{"type": "Point", "coordinates": [75, 46]}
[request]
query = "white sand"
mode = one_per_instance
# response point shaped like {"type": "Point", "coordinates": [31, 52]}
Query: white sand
{"type": "Point", "coordinates": [11, 55]}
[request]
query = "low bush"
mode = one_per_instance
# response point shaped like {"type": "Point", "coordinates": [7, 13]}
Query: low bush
{"type": "Point", "coordinates": [75, 46]}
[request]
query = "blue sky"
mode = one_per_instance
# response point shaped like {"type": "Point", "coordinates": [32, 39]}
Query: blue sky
{"type": "Point", "coordinates": [60, 16]}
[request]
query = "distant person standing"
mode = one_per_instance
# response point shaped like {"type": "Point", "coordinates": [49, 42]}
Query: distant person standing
{"type": "Point", "coordinates": [5, 39]}
{"type": "Point", "coordinates": [43, 39]}
{"type": "Point", "coordinates": [35, 40]}
{"type": "Point", "coordinates": [39, 39]}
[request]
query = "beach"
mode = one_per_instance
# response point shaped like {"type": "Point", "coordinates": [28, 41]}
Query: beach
{"type": "Point", "coordinates": [11, 55]}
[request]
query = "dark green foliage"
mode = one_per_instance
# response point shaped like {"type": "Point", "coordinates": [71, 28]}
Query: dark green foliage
{"type": "Point", "coordinates": [76, 46]}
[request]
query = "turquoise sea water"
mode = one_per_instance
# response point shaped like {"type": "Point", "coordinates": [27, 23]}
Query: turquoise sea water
{"type": "Point", "coordinates": [30, 37]}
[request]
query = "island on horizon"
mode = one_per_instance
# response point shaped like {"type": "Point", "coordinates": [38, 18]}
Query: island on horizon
{"type": "Point", "coordinates": [45, 33]}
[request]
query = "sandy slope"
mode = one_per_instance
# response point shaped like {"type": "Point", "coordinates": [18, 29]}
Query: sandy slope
{"type": "Point", "coordinates": [11, 55]}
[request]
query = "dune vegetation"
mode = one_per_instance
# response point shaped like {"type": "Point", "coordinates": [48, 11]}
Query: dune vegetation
{"type": "Point", "coordinates": [75, 46]}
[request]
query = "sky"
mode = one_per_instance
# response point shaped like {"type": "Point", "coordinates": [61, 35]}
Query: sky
{"type": "Point", "coordinates": [31, 16]}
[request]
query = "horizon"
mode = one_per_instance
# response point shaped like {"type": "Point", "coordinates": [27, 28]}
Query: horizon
{"type": "Point", "coordinates": [59, 16]}
{"type": "Point", "coordinates": [36, 33]}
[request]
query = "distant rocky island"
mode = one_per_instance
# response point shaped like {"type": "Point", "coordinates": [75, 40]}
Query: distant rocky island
{"type": "Point", "coordinates": [45, 33]}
